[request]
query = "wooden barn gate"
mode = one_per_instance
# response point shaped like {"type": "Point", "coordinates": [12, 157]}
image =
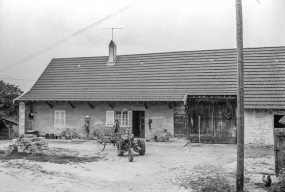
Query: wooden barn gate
{"type": "Point", "coordinates": [279, 142]}
{"type": "Point", "coordinates": [212, 120]}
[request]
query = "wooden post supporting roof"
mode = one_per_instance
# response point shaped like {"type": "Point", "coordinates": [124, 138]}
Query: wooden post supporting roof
{"type": "Point", "coordinates": [49, 104]}
{"type": "Point", "coordinates": [240, 100]}
{"type": "Point", "coordinates": [145, 106]}
{"type": "Point", "coordinates": [90, 105]}
{"type": "Point", "coordinates": [111, 106]}
{"type": "Point", "coordinates": [170, 105]}
{"type": "Point", "coordinates": [73, 106]}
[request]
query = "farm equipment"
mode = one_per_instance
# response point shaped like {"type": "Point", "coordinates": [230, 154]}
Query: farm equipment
{"type": "Point", "coordinates": [102, 140]}
{"type": "Point", "coordinates": [127, 143]}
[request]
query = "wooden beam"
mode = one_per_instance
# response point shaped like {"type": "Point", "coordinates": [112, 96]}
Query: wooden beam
{"type": "Point", "coordinates": [90, 105]}
{"type": "Point", "coordinates": [49, 104]}
{"type": "Point", "coordinates": [224, 98]}
{"type": "Point", "coordinates": [146, 107]}
{"type": "Point", "coordinates": [73, 106]}
{"type": "Point", "coordinates": [111, 106]}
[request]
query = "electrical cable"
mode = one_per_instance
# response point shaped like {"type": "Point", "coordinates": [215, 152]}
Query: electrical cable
{"type": "Point", "coordinates": [69, 37]}
{"type": "Point", "coordinates": [17, 79]}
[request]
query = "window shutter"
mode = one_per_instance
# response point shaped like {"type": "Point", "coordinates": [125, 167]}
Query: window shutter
{"type": "Point", "coordinates": [62, 118]}
{"type": "Point", "coordinates": [109, 118]}
{"type": "Point", "coordinates": [130, 118]}
{"type": "Point", "coordinates": [56, 117]}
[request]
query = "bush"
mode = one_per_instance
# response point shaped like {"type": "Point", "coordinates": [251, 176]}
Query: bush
{"type": "Point", "coordinates": [214, 184]}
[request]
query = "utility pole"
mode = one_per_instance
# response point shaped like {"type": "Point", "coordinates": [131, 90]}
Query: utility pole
{"type": "Point", "coordinates": [240, 100]}
{"type": "Point", "coordinates": [112, 30]}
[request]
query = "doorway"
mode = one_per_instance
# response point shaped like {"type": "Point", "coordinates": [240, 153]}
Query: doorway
{"type": "Point", "coordinates": [139, 124]}
{"type": "Point", "coordinates": [179, 125]}
{"type": "Point", "coordinates": [279, 142]}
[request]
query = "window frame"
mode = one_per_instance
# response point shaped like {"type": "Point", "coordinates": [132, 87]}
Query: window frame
{"type": "Point", "coordinates": [60, 118]}
{"type": "Point", "coordinates": [122, 119]}
{"type": "Point", "coordinates": [121, 114]}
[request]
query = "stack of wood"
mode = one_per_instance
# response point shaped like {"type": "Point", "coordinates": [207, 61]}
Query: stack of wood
{"type": "Point", "coordinates": [28, 143]}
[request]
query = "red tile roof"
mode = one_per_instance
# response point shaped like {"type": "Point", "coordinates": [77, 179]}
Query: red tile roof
{"type": "Point", "coordinates": [165, 77]}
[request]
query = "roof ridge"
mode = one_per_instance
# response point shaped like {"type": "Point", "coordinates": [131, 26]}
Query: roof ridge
{"type": "Point", "coordinates": [171, 52]}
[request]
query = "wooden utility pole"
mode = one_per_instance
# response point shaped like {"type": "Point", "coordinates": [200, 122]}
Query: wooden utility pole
{"type": "Point", "coordinates": [240, 100]}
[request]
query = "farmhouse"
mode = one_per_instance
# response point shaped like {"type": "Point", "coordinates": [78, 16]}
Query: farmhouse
{"type": "Point", "coordinates": [188, 93]}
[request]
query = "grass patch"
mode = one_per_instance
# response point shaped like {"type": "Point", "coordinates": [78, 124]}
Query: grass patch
{"type": "Point", "coordinates": [209, 184]}
{"type": "Point", "coordinates": [52, 158]}
{"type": "Point", "coordinates": [207, 178]}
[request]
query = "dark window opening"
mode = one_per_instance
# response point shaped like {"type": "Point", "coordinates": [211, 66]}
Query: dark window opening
{"type": "Point", "coordinates": [279, 121]}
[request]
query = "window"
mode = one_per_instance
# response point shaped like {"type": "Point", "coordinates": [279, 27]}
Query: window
{"type": "Point", "coordinates": [124, 117]}
{"type": "Point", "coordinates": [59, 118]}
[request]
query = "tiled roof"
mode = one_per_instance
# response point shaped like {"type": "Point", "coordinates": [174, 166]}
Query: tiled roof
{"type": "Point", "coordinates": [165, 77]}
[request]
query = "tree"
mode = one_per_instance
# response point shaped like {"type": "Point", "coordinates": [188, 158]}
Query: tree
{"type": "Point", "coordinates": [9, 92]}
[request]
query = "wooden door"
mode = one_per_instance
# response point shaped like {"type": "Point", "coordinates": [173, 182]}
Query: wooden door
{"type": "Point", "coordinates": [179, 125]}
{"type": "Point", "coordinates": [279, 142]}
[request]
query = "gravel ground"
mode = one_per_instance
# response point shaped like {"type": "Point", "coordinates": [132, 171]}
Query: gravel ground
{"type": "Point", "coordinates": [164, 167]}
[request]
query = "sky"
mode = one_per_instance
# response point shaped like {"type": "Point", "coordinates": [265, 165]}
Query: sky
{"type": "Point", "coordinates": [150, 26]}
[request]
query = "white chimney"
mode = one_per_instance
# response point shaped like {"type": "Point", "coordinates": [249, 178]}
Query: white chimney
{"type": "Point", "coordinates": [112, 53]}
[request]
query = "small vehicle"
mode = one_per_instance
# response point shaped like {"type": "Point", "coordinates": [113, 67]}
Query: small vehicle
{"type": "Point", "coordinates": [69, 135]}
{"type": "Point", "coordinates": [127, 143]}
{"type": "Point", "coordinates": [158, 135]}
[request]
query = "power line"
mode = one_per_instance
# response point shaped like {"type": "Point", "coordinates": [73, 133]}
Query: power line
{"type": "Point", "coordinates": [18, 79]}
{"type": "Point", "coordinates": [69, 37]}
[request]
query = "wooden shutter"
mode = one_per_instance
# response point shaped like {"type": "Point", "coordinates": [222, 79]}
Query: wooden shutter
{"type": "Point", "coordinates": [109, 118]}
{"type": "Point", "coordinates": [130, 118]}
{"type": "Point", "coordinates": [56, 118]}
{"type": "Point", "coordinates": [62, 118]}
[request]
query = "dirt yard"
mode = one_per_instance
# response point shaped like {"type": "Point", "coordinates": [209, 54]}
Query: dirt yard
{"type": "Point", "coordinates": [165, 167]}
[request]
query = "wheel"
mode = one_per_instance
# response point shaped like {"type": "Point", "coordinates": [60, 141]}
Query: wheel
{"type": "Point", "coordinates": [131, 155]}
{"type": "Point", "coordinates": [74, 135]}
{"type": "Point", "coordinates": [141, 144]}
{"type": "Point", "coordinates": [120, 151]}
{"type": "Point", "coordinates": [154, 137]}
{"type": "Point", "coordinates": [62, 135]}
{"type": "Point", "coordinates": [167, 137]}
{"type": "Point", "coordinates": [101, 144]}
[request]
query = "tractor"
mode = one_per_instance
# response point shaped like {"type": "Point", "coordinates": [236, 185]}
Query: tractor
{"type": "Point", "coordinates": [127, 143]}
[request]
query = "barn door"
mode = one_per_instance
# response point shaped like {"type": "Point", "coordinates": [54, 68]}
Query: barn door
{"type": "Point", "coordinates": [212, 121]}
{"type": "Point", "coordinates": [279, 142]}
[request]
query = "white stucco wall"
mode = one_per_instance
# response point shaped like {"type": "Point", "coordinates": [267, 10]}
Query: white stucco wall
{"type": "Point", "coordinates": [258, 127]}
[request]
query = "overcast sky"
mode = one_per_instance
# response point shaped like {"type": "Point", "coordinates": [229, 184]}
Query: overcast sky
{"type": "Point", "coordinates": [28, 26]}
